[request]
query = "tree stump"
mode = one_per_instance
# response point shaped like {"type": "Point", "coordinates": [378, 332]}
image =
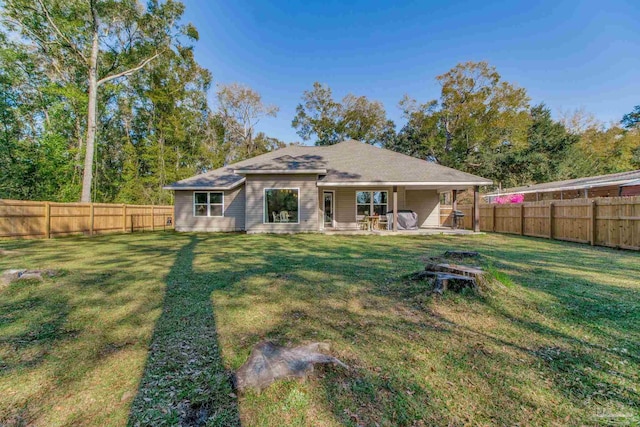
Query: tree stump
{"type": "Point", "coordinates": [453, 282]}
{"type": "Point", "coordinates": [461, 254]}
{"type": "Point", "coordinates": [460, 270]}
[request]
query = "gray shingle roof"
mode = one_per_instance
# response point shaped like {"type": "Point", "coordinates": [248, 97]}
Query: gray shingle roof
{"type": "Point", "coordinates": [347, 163]}
{"type": "Point", "coordinates": [574, 184]}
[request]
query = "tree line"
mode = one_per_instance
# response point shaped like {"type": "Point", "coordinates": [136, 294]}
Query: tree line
{"type": "Point", "coordinates": [480, 124]}
{"type": "Point", "coordinates": [103, 100]}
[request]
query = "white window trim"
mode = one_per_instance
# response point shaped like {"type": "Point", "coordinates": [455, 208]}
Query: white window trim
{"type": "Point", "coordinates": [371, 202]}
{"type": "Point", "coordinates": [264, 204]}
{"type": "Point", "coordinates": [208, 193]}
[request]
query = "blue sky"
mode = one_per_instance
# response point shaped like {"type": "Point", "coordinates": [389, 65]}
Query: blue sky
{"type": "Point", "coordinates": [568, 54]}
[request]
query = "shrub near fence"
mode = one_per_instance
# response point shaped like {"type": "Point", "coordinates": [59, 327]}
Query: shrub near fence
{"type": "Point", "coordinates": [604, 221]}
{"type": "Point", "coordinates": [26, 219]}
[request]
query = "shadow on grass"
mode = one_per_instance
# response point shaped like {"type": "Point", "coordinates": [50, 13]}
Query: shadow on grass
{"type": "Point", "coordinates": [184, 380]}
{"type": "Point", "coordinates": [311, 284]}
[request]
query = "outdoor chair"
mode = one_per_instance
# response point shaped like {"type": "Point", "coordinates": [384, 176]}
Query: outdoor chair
{"type": "Point", "coordinates": [284, 216]}
{"type": "Point", "coordinates": [363, 224]}
{"type": "Point", "coordinates": [276, 217]}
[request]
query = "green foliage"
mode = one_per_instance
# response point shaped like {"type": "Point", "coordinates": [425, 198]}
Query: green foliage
{"type": "Point", "coordinates": [330, 122]}
{"type": "Point", "coordinates": [631, 120]}
{"type": "Point", "coordinates": [77, 47]}
{"type": "Point", "coordinates": [154, 125]}
{"type": "Point", "coordinates": [483, 125]}
{"type": "Point", "coordinates": [477, 122]}
{"type": "Point", "coordinates": [603, 151]}
{"type": "Point", "coordinates": [540, 159]}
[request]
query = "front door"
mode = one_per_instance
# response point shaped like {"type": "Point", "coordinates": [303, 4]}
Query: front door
{"type": "Point", "coordinates": [328, 209]}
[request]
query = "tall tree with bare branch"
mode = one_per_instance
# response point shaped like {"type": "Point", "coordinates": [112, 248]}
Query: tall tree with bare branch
{"type": "Point", "coordinates": [94, 43]}
{"type": "Point", "coordinates": [240, 109]}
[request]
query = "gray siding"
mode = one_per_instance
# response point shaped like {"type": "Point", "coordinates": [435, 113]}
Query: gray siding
{"type": "Point", "coordinates": [233, 219]}
{"type": "Point", "coordinates": [308, 197]}
{"type": "Point", "coordinates": [426, 203]}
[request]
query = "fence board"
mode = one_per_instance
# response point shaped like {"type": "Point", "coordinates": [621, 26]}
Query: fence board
{"type": "Point", "coordinates": [607, 221]}
{"type": "Point", "coordinates": [29, 219]}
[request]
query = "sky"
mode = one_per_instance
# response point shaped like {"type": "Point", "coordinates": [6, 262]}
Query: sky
{"type": "Point", "coordinates": [567, 54]}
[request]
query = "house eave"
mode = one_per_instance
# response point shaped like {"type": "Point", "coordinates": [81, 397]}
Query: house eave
{"type": "Point", "coordinates": [401, 183]}
{"type": "Point", "coordinates": [205, 187]}
{"type": "Point", "coordinates": [554, 189]}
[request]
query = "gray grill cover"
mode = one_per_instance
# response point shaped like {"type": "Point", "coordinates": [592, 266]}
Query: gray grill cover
{"type": "Point", "coordinates": [407, 220]}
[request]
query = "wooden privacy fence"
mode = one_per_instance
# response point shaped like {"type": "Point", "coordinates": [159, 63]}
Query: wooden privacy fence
{"type": "Point", "coordinates": [604, 221]}
{"type": "Point", "coordinates": [24, 219]}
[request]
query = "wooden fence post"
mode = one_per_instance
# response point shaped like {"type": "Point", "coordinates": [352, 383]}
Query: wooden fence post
{"type": "Point", "coordinates": [91, 219]}
{"type": "Point", "coordinates": [153, 218]}
{"type": "Point", "coordinates": [594, 215]}
{"type": "Point", "coordinates": [124, 217]}
{"type": "Point", "coordinates": [493, 219]}
{"type": "Point", "coordinates": [47, 220]}
{"type": "Point", "coordinates": [551, 220]}
{"type": "Point", "coordinates": [522, 219]}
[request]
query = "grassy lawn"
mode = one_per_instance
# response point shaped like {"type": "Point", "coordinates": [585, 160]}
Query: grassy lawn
{"type": "Point", "coordinates": [145, 329]}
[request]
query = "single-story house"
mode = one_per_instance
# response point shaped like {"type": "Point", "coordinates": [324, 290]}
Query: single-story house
{"type": "Point", "coordinates": [611, 185]}
{"type": "Point", "coordinates": [310, 189]}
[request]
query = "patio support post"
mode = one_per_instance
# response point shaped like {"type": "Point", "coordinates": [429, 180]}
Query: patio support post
{"type": "Point", "coordinates": [476, 208]}
{"type": "Point", "coordinates": [454, 205]}
{"type": "Point", "coordinates": [395, 208]}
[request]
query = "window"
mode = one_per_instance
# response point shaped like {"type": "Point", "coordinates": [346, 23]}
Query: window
{"type": "Point", "coordinates": [363, 201]}
{"type": "Point", "coordinates": [371, 203]}
{"type": "Point", "coordinates": [208, 204]}
{"type": "Point", "coordinates": [281, 205]}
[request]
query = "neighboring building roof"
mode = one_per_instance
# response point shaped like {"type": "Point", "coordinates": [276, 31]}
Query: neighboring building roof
{"type": "Point", "coordinates": [347, 163]}
{"type": "Point", "coordinates": [632, 183]}
{"type": "Point", "coordinates": [621, 178]}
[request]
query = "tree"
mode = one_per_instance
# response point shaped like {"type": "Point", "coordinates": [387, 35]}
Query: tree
{"type": "Point", "coordinates": [578, 121]}
{"type": "Point", "coordinates": [549, 143]}
{"type": "Point", "coordinates": [356, 117]}
{"type": "Point", "coordinates": [602, 151]}
{"type": "Point", "coordinates": [240, 109]}
{"type": "Point", "coordinates": [421, 136]}
{"type": "Point", "coordinates": [474, 125]}
{"type": "Point", "coordinates": [319, 115]}
{"type": "Point", "coordinates": [94, 42]}
{"type": "Point", "coordinates": [481, 115]}
{"type": "Point", "coordinates": [35, 125]}
{"type": "Point", "coordinates": [631, 120]}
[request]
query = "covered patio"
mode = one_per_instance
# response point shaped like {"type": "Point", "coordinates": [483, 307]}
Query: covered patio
{"type": "Point", "coordinates": [400, 207]}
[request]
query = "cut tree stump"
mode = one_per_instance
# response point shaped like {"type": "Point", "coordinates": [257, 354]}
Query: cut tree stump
{"type": "Point", "coordinates": [453, 282]}
{"type": "Point", "coordinates": [9, 276]}
{"type": "Point", "coordinates": [455, 277]}
{"type": "Point", "coordinates": [461, 254]}
{"type": "Point", "coordinates": [459, 270]}
{"type": "Point", "coordinates": [462, 270]}
{"type": "Point", "coordinates": [269, 362]}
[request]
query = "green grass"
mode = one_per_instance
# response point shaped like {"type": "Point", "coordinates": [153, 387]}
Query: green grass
{"type": "Point", "coordinates": [146, 329]}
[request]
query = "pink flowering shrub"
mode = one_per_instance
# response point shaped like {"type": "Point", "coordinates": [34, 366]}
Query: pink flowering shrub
{"type": "Point", "coordinates": [508, 199]}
